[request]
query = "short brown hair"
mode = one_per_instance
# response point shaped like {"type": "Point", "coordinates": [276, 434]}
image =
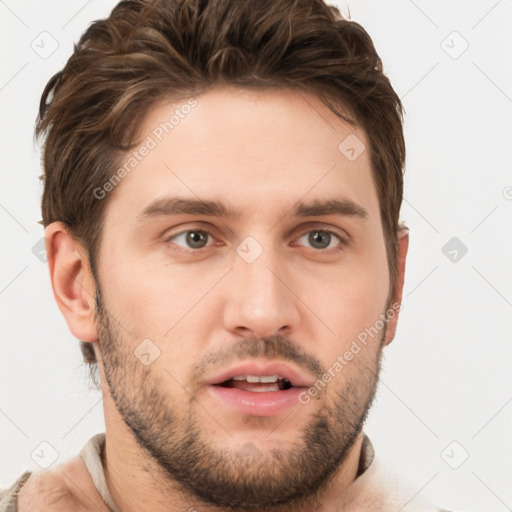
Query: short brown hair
{"type": "Point", "coordinates": [147, 51]}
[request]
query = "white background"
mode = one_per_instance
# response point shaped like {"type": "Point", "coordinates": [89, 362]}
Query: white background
{"type": "Point", "coordinates": [446, 375]}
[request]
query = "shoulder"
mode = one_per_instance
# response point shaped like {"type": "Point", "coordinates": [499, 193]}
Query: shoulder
{"type": "Point", "coordinates": [8, 496]}
{"type": "Point", "coordinates": [381, 486]}
{"type": "Point", "coordinates": [66, 487]}
{"type": "Point", "coordinates": [33, 491]}
{"type": "Point", "coordinates": [43, 491]}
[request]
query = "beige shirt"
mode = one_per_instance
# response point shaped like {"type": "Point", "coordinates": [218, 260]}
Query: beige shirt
{"type": "Point", "coordinates": [375, 488]}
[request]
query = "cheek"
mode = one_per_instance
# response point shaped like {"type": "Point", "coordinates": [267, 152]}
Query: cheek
{"type": "Point", "coordinates": [351, 298]}
{"type": "Point", "coordinates": [168, 307]}
{"type": "Point", "coordinates": [154, 317]}
{"type": "Point", "coordinates": [152, 305]}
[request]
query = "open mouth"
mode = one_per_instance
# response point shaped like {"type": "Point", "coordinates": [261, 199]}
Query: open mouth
{"type": "Point", "coordinates": [258, 388]}
{"type": "Point", "coordinates": [258, 384]}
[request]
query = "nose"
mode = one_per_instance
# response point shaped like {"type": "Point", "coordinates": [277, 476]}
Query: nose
{"type": "Point", "coordinates": [261, 301]}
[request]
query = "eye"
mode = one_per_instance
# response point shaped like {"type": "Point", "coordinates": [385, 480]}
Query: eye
{"type": "Point", "coordinates": [191, 239]}
{"type": "Point", "coordinates": [323, 239]}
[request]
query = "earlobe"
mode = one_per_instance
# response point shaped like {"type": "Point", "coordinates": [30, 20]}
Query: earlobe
{"type": "Point", "coordinates": [403, 246]}
{"type": "Point", "coordinates": [72, 282]}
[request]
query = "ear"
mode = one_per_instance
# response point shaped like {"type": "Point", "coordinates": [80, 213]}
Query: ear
{"type": "Point", "coordinates": [72, 281]}
{"type": "Point", "coordinates": [403, 246]}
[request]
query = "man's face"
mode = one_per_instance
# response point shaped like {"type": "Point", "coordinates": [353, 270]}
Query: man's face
{"type": "Point", "coordinates": [206, 294]}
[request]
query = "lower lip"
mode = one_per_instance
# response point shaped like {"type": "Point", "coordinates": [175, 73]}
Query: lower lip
{"type": "Point", "coordinates": [266, 403]}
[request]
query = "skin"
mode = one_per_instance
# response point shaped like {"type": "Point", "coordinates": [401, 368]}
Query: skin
{"type": "Point", "coordinates": [170, 443]}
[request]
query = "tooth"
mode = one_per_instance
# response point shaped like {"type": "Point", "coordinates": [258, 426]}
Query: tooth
{"type": "Point", "coordinates": [262, 389]}
{"type": "Point", "coordinates": [239, 377]}
{"type": "Point", "coordinates": [268, 378]}
{"type": "Point", "coordinates": [261, 378]}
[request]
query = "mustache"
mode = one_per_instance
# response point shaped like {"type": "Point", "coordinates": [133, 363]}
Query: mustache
{"type": "Point", "coordinates": [271, 347]}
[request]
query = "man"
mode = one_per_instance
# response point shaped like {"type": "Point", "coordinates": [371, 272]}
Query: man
{"type": "Point", "coordinates": [222, 188]}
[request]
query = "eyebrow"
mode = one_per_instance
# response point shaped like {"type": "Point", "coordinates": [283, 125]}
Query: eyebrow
{"type": "Point", "coordinates": [180, 206]}
{"type": "Point", "coordinates": [344, 207]}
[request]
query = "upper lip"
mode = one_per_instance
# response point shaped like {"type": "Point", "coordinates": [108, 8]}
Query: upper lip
{"type": "Point", "coordinates": [263, 368]}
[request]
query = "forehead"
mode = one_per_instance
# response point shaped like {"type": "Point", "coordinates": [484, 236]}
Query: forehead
{"type": "Point", "coordinates": [258, 151]}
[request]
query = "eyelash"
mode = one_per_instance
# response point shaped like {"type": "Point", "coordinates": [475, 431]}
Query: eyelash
{"type": "Point", "coordinates": [334, 250]}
